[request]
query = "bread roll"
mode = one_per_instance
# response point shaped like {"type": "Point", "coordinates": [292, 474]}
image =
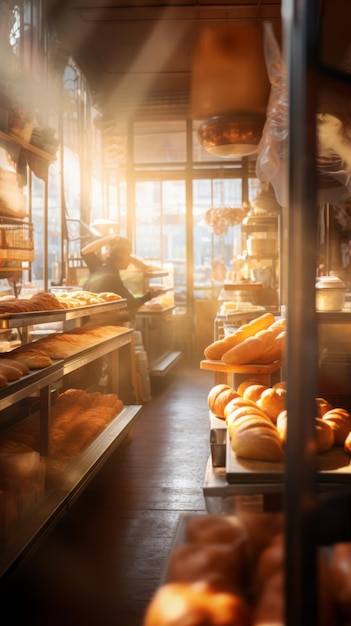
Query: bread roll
{"type": "Point", "coordinates": [340, 421]}
{"type": "Point", "coordinates": [255, 437]}
{"type": "Point", "coordinates": [324, 435]}
{"type": "Point", "coordinates": [322, 406]}
{"type": "Point", "coordinates": [196, 605]}
{"type": "Point", "coordinates": [246, 383]}
{"type": "Point", "coordinates": [254, 392]}
{"type": "Point", "coordinates": [222, 566]}
{"type": "Point", "coordinates": [237, 403]}
{"type": "Point", "coordinates": [272, 402]}
{"type": "Point", "coordinates": [324, 432]}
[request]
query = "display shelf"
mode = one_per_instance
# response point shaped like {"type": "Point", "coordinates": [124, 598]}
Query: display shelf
{"type": "Point", "coordinates": [33, 318]}
{"type": "Point", "coordinates": [263, 372]}
{"type": "Point", "coordinates": [34, 526]}
{"type": "Point", "coordinates": [162, 365]}
{"type": "Point", "coordinates": [28, 385]}
{"type": "Point", "coordinates": [161, 360]}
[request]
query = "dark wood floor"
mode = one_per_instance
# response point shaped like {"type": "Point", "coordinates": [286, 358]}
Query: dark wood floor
{"type": "Point", "coordinates": [102, 563]}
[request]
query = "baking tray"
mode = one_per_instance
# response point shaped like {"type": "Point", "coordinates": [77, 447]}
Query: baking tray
{"type": "Point", "coordinates": [333, 466]}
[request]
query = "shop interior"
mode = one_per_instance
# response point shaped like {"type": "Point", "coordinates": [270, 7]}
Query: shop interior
{"type": "Point", "coordinates": [232, 185]}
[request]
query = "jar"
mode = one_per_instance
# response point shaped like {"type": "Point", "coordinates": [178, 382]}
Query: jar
{"type": "Point", "coordinates": [330, 293]}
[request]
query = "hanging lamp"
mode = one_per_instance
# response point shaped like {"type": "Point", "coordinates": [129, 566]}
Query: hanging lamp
{"type": "Point", "coordinates": [230, 88]}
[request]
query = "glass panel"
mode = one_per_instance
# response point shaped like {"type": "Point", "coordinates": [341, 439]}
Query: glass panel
{"type": "Point", "coordinates": [160, 142]}
{"type": "Point", "coordinates": [214, 248]}
{"type": "Point", "coordinates": [161, 228]}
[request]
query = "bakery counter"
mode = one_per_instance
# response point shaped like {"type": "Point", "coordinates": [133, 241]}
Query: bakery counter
{"type": "Point", "coordinates": [40, 519]}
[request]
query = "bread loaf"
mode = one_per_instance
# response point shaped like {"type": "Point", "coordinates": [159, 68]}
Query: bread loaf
{"type": "Point", "coordinates": [254, 392]}
{"type": "Point", "coordinates": [33, 358]}
{"type": "Point", "coordinates": [17, 364]}
{"type": "Point", "coordinates": [10, 371]}
{"type": "Point", "coordinates": [263, 347]}
{"type": "Point", "coordinates": [254, 436]}
{"type": "Point", "coordinates": [272, 402]}
{"type": "Point", "coordinates": [217, 349]}
{"type": "Point", "coordinates": [324, 432]}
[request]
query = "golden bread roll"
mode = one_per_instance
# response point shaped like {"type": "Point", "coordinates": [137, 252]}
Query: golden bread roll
{"type": "Point", "coordinates": [279, 385]}
{"type": "Point", "coordinates": [222, 566]}
{"type": "Point", "coordinates": [196, 605]}
{"type": "Point", "coordinates": [246, 383]}
{"type": "Point", "coordinates": [219, 397]}
{"type": "Point", "coordinates": [324, 432]}
{"type": "Point", "coordinates": [254, 392]}
{"type": "Point", "coordinates": [322, 406]}
{"type": "Point", "coordinates": [260, 527]}
{"type": "Point", "coordinates": [236, 416]}
{"type": "Point", "coordinates": [272, 402]}
{"type": "Point", "coordinates": [340, 421]}
{"type": "Point", "coordinates": [324, 435]}
{"type": "Point", "coordinates": [109, 296]}
{"type": "Point", "coordinates": [237, 403]}
{"type": "Point", "coordinates": [255, 437]}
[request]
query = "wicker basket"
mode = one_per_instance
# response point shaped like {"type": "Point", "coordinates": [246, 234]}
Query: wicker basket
{"type": "Point", "coordinates": [16, 243]}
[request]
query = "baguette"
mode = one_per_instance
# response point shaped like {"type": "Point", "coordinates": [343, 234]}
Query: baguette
{"type": "Point", "coordinates": [10, 372]}
{"type": "Point", "coordinates": [14, 363]}
{"type": "Point", "coordinates": [263, 347]}
{"type": "Point", "coordinates": [217, 349]}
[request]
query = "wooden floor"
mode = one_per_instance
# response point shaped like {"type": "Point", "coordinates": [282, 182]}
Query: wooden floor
{"type": "Point", "coordinates": [102, 563]}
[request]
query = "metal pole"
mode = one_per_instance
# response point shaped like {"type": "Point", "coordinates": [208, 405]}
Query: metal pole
{"type": "Point", "coordinates": [299, 21]}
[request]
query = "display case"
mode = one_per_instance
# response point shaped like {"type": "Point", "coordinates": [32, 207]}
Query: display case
{"type": "Point", "coordinates": [40, 388]}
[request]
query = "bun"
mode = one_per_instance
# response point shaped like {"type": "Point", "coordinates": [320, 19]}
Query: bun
{"type": "Point", "coordinates": [222, 566]}
{"type": "Point", "coordinates": [322, 406]}
{"type": "Point", "coordinates": [324, 435]}
{"type": "Point", "coordinates": [246, 383]}
{"type": "Point", "coordinates": [219, 397]}
{"type": "Point", "coordinates": [340, 421]}
{"type": "Point", "coordinates": [324, 432]}
{"type": "Point", "coordinates": [272, 402]}
{"type": "Point", "coordinates": [254, 392]}
{"type": "Point", "coordinates": [196, 605]}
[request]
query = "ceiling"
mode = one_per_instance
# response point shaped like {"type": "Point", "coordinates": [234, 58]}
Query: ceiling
{"type": "Point", "coordinates": [137, 55]}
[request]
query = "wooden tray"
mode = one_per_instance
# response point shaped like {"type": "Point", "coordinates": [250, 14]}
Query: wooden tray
{"type": "Point", "coordinates": [334, 466]}
{"type": "Point", "coordinates": [219, 366]}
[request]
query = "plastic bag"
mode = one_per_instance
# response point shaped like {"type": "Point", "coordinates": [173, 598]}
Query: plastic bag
{"type": "Point", "coordinates": [333, 129]}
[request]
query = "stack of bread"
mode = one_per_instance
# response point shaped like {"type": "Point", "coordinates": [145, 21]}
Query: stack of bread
{"type": "Point", "coordinates": [66, 344]}
{"type": "Point", "coordinates": [256, 419]}
{"type": "Point", "coordinates": [77, 418]}
{"type": "Point", "coordinates": [73, 299]}
{"type": "Point", "coordinates": [260, 341]}
{"type": "Point", "coordinates": [45, 301]}
{"type": "Point", "coordinates": [230, 571]}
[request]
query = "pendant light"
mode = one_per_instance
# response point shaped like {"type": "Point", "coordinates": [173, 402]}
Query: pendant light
{"type": "Point", "coordinates": [230, 88]}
